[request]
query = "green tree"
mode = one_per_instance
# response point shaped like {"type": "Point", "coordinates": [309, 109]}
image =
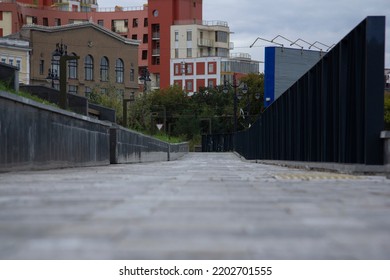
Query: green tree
{"type": "Point", "coordinates": [109, 97]}
{"type": "Point", "coordinates": [387, 110]}
{"type": "Point", "coordinates": [208, 110]}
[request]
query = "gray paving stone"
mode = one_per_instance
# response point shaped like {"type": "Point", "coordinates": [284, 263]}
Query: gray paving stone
{"type": "Point", "coordinates": [205, 206]}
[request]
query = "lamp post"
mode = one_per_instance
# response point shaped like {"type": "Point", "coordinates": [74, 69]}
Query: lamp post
{"type": "Point", "coordinates": [52, 77]}
{"type": "Point", "coordinates": [61, 55]}
{"type": "Point", "coordinates": [145, 78]}
{"type": "Point", "coordinates": [126, 98]}
{"type": "Point", "coordinates": [237, 96]}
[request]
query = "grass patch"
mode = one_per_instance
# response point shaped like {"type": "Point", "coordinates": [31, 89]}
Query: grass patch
{"type": "Point", "coordinates": [27, 95]}
{"type": "Point", "coordinates": [169, 139]}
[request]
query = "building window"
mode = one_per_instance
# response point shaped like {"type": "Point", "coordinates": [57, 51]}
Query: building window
{"type": "Point", "coordinates": [189, 52]}
{"type": "Point", "coordinates": [11, 61]}
{"type": "Point", "coordinates": [189, 85]}
{"type": "Point", "coordinates": [176, 53]}
{"type": "Point", "coordinates": [119, 70]}
{"type": "Point", "coordinates": [19, 64]}
{"type": "Point", "coordinates": [211, 83]}
{"type": "Point", "coordinates": [3, 60]}
{"type": "Point", "coordinates": [145, 39]}
{"type": "Point", "coordinates": [72, 89]}
{"type": "Point", "coordinates": [134, 37]}
{"type": "Point", "coordinates": [57, 22]}
{"type": "Point", "coordinates": [88, 92]}
{"type": "Point", "coordinates": [211, 68]}
{"type": "Point", "coordinates": [177, 67]}
{"type": "Point", "coordinates": [156, 60]}
{"type": "Point", "coordinates": [120, 93]}
{"type": "Point", "coordinates": [72, 68]}
{"type": "Point", "coordinates": [144, 55]}
{"type": "Point", "coordinates": [132, 73]}
{"type": "Point", "coordinates": [45, 21]}
{"type": "Point", "coordinates": [189, 68]}
{"type": "Point", "coordinates": [41, 67]}
{"type": "Point", "coordinates": [32, 20]}
{"type": "Point", "coordinates": [88, 64]}
{"type": "Point", "coordinates": [176, 36]}
{"type": "Point", "coordinates": [146, 23]}
{"type": "Point", "coordinates": [104, 66]}
{"type": "Point", "coordinates": [100, 22]}
{"type": "Point", "coordinates": [189, 35]}
{"type": "Point", "coordinates": [221, 36]}
{"type": "Point", "coordinates": [135, 22]}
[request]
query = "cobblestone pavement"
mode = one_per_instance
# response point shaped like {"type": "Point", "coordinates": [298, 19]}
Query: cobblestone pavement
{"type": "Point", "coordinates": [204, 206]}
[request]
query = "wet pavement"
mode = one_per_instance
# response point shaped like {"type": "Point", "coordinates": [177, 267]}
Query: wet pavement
{"type": "Point", "coordinates": [204, 206]}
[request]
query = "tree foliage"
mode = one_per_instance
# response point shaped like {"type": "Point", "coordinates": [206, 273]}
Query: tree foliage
{"type": "Point", "coordinates": [387, 110]}
{"type": "Point", "coordinates": [209, 110]}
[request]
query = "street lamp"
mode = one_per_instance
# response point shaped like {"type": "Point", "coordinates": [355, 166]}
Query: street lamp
{"type": "Point", "coordinates": [237, 96]}
{"type": "Point", "coordinates": [52, 77]}
{"type": "Point", "coordinates": [145, 78]}
{"type": "Point", "coordinates": [61, 55]}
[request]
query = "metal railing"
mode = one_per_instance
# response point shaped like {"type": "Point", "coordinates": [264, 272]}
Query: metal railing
{"type": "Point", "coordinates": [334, 113]}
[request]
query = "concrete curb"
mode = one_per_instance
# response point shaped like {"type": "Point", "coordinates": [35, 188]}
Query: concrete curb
{"type": "Point", "coordinates": [328, 166]}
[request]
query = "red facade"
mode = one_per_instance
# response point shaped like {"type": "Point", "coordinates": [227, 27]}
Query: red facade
{"type": "Point", "coordinates": [163, 14]}
{"type": "Point", "coordinates": [150, 25]}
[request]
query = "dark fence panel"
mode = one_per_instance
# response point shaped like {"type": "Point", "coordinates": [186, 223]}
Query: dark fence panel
{"type": "Point", "coordinates": [334, 113]}
{"type": "Point", "coordinates": [217, 143]}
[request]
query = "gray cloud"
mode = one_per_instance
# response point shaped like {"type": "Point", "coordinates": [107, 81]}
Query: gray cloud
{"type": "Point", "coordinates": [312, 20]}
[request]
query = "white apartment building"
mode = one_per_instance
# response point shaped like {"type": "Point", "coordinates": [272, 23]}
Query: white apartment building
{"type": "Point", "coordinates": [16, 53]}
{"type": "Point", "coordinates": [200, 56]}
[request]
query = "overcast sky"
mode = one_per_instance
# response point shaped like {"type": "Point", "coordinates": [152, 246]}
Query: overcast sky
{"type": "Point", "coordinates": [311, 20]}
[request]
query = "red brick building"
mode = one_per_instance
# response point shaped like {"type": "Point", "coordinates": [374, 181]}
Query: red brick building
{"type": "Point", "coordinates": [150, 24]}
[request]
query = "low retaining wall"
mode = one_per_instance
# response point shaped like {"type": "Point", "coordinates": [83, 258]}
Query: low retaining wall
{"type": "Point", "coordinates": [128, 146]}
{"type": "Point", "coordinates": [177, 151]}
{"type": "Point", "coordinates": [385, 135]}
{"type": "Point", "coordinates": [36, 136]}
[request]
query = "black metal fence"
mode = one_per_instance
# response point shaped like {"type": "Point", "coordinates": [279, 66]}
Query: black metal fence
{"type": "Point", "coordinates": [217, 143]}
{"type": "Point", "coordinates": [334, 113]}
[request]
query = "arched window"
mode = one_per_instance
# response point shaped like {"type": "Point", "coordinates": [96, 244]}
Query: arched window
{"type": "Point", "coordinates": [104, 67]}
{"type": "Point", "coordinates": [119, 70]}
{"type": "Point", "coordinates": [88, 68]}
{"type": "Point", "coordinates": [72, 68]}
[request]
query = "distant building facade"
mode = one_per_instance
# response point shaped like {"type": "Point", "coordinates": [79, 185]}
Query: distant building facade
{"type": "Point", "coordinates": [200, 56]}
{"type": "Point", "coordinates": [16, 53]}
{"type": "Point", "coordinates": [99, 67]}
{"type": "Point", "coordinates": [387, 79]}
{"type": "Point", "coordinates": [154, 25]}
{"type": "Point", "coordinates": [283, 67]}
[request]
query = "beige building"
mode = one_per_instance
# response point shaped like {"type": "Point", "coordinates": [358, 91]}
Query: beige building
{"type": "Point", "coordinates": [107, 60]}
{"type": "Point", "coordinates": [201, 58]}
{"type": "Point", "coordinates": [16, 53]}
{"type": "Point", "coordinates": [210, 38]}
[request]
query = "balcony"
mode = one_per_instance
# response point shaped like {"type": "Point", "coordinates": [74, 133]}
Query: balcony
{"type": "Point", "coordinates": [202, 22]}
{"type": "Point", "coordinates": [156, 52]}
{"type": "Point", "coordinates": [205, 43]}
{"type": "Point", "coordinates": [156, 36]}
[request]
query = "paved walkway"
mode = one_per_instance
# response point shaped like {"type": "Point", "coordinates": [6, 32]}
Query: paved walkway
{"type": "Point", "coordinates": [205, 206]}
